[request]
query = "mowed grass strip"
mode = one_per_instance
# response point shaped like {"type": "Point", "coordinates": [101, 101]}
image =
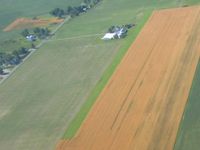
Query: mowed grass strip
{"type": "Point", "coordinates": [81, 115]}
{"type": "Point", "coordinates": [189, 132]}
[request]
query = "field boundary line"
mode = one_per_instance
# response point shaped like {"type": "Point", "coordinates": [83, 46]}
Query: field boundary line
{"type": "Point", "coordinates": [76, 37]}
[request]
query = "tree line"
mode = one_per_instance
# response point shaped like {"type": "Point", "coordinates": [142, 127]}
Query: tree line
{"type": "Point", "coordinates": [12, 59]}
{"type": "Point", "coordinates": [41, 33]}
{"type": "Point", "coordinates": [74, 11]}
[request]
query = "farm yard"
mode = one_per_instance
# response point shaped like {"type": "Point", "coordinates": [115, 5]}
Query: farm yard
{"type": "Point", "coordinates": [146, 96]}
{"type": "Point", "coordinates": [54, 89]}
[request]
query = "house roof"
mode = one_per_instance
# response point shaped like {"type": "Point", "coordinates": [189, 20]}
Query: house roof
{"type": "Point", "coordinates": [108, 36]}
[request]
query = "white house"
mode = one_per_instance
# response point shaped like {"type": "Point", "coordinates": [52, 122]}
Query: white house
{"type": "Point", "coordinates": [31, 37]}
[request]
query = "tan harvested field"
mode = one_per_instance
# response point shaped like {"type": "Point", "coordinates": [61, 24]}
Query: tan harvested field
{"type": "Point", "coordinates": [22, 23]}
{"type": "Point", "coordinates": [142, 104]}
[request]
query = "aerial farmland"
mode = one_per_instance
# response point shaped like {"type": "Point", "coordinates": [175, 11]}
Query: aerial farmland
{"type": "Point", "coordinates": [75, 91]}
{"type": "Point", "coordinates": [143, 102]}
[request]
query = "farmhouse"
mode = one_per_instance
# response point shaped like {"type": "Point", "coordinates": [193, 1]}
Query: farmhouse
{"type": "Point", "coordinates": [115, 33]}
{"type": "Point", "coordinates": [31, 38]}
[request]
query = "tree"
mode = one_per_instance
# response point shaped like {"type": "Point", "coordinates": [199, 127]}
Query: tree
{"type": "Point", "coordinates": [41, 32]}
{"type": "Point", "coordinates": [25, 32]}
{"type": "Point", "coordinates": [94, 2]}
{"type": "Point", "coordinates": [23, 51]}
{"type": "Point", "coordinates": [87, 2]}
{"type": "Point", "coordinates": [1, 70]}
{"type": "Point", "coordinates": [32, 45]}
{"type": "Point", "coordinates": [128, 26]}
{"type": "Point", "coordinates": [15, 60]}
{"type": "Point", "coordinates": [2, 58]}
{"type": "Point", "coordinates": [72, 11]}
{"type": "Point", "coordinates": [7, 58]}
{"type": "Point", "coordinates": [68, 10]}
{"type": "Point", "coordinates": [123, 35]}
{"type": "Point", "coordinates": [36, 30]}
{"type": "Point", "coordinates": [16, 53]}
{"type": "Point", "coordinates": [111, 29]}
{"type": "Point", "coordinates": [58, 12]}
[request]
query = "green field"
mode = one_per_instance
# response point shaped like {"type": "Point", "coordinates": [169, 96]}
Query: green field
{"type": "Point", "coordinates": [189, 132]}
{"type": "Point", "coordinates": [40, 98]}
{"type": "Point", "coordinates": [63, 78]}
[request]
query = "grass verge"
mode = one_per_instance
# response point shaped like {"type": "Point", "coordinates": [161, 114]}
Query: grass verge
{"type": "Point", "coordinates": [81, 115]}
{"type": "Point", "coordinates": [189, 130]}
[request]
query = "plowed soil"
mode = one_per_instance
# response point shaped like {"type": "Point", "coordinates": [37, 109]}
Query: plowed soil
{"type": "Point", "coordinates": [142, 104]}
{"type": "Point", "coordinates": [22, 23]}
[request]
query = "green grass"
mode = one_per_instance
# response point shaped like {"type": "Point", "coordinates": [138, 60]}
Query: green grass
{"type": "Point", "coordinates": [64, 77]}
{"type": "Point", "coordinates": [44, 94]}
{"type": "Point", "coordinates": [189, 132]}
{"type": "Point", "coordinates": [15, 44]}
{"type": "Point", "coordinates": [191, 2]}
{"type": "Point", "coordinates": [106, 14]}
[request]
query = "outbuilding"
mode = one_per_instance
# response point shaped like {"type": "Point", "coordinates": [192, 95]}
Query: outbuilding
{"type": "Point", "coordinates": [31, 38]}
{"type": "Point", "coordinates": [109, 36]}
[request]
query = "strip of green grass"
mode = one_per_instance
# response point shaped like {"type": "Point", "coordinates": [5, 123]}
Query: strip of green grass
{"type": "Point", "coordinates": [189, 131]}
{"type": "Point", "coordinates": [81, 115]}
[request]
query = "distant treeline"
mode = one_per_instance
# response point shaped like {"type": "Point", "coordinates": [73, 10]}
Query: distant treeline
{"type": "Point", "coordinates": [12, 59]}
{"type": "Point", "coordinates": [76, 10]}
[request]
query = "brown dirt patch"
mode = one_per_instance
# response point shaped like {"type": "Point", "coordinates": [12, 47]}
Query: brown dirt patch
{"type": "Point", "coordinates": [142, 104]}
{"type": "Point", "coordinates": [22, 23]}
